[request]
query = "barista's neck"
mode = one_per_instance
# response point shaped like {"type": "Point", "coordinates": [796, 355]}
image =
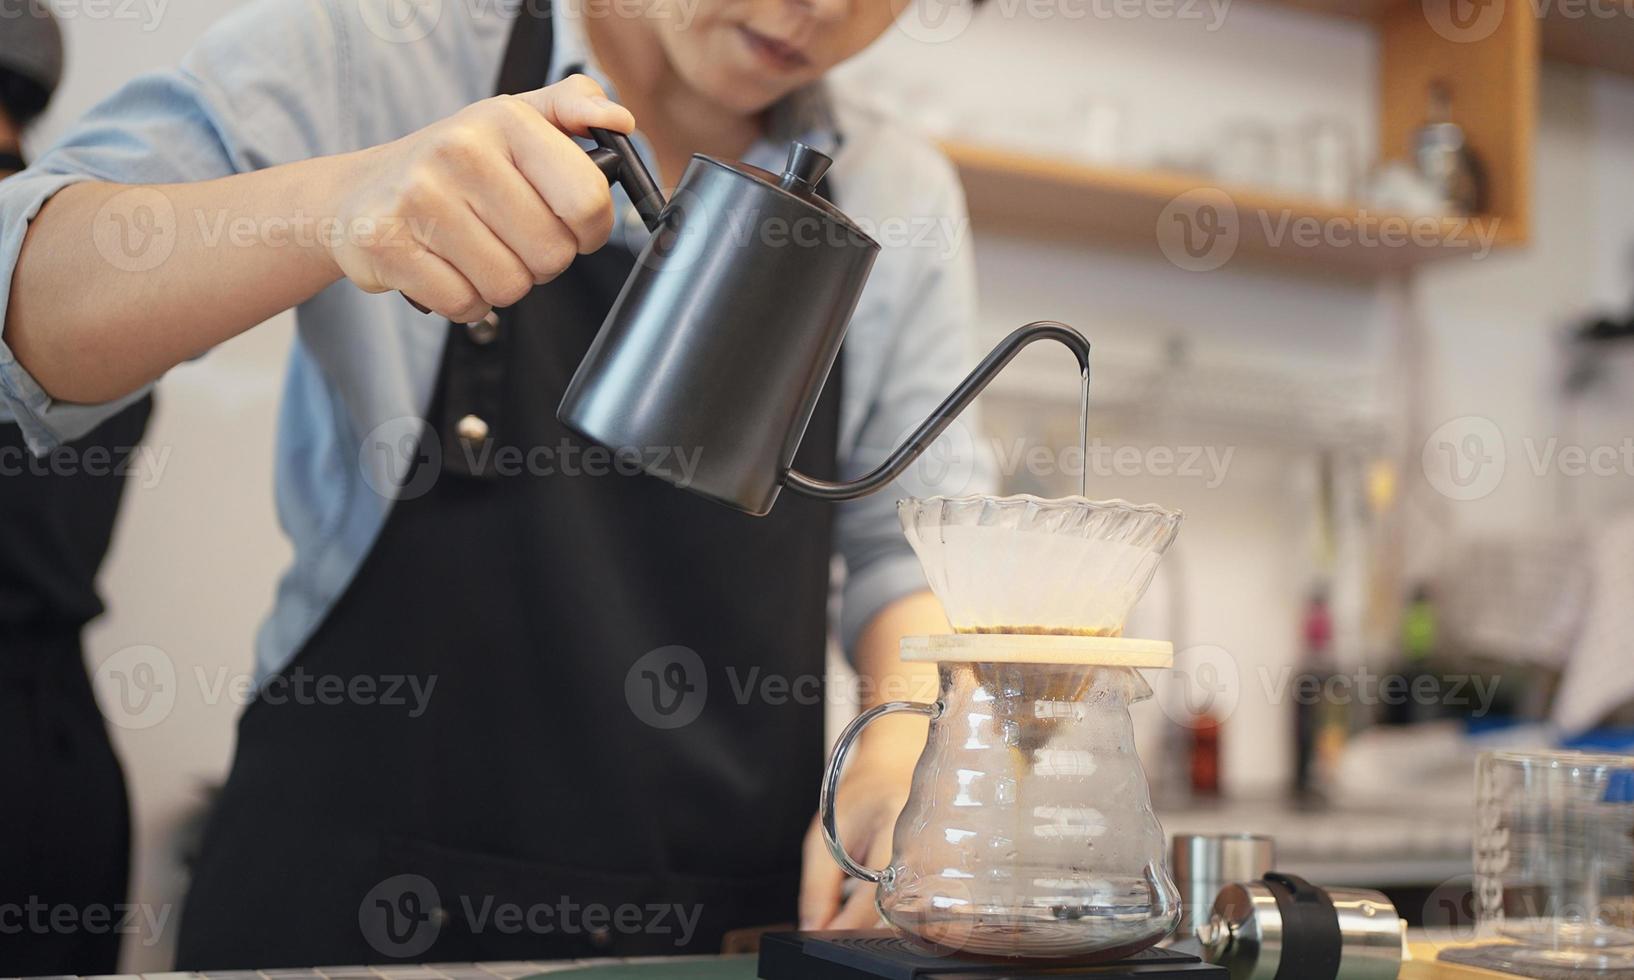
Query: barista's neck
{"type": "Point", "coordinates": [675, 118]}
{"type": "Point", "coordinates": [10, 135]}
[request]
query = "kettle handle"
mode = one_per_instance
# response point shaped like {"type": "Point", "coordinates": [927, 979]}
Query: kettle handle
{"type": "Point", "coordinates": [831, 782]}
{"type": "Point", "coordinates": [616, 157]}
{"type": "Point", "coordinates": [945, 413]}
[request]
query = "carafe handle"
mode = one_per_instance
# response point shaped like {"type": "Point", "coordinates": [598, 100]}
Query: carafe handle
{"type": "Point", "coordinates": [831, 781]}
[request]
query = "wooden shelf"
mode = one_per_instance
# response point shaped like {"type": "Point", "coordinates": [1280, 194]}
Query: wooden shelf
{"type": "Point", "coordinates": [1589, 41]}
{"type": "Point", "coordinates": [1492, 78]}
{"type": "Point", "coordinates": [1593, 42]}
{"type": "Point", "coordinates": [1148, 213]}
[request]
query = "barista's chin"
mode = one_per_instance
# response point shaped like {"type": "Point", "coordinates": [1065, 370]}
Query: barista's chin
{"type": "Point", "coordinates": [750, 104]}
{"type": "Point", "coordinates": [743, 95]}
{"type": "Point", "coordinates": [734, 83]}
{"type": "Point", "coordinates": [731, 79]}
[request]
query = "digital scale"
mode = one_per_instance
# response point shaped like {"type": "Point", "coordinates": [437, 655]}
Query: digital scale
{"type": "Point", "coordinates": [882, 955]}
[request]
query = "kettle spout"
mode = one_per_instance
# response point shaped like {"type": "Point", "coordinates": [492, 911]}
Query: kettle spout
{"type": "Point", "coordinates": [945, 413]}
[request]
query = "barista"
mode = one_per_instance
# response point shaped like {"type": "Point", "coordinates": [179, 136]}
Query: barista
{"type": "Point", "coordinates": [607, 732]}
{"type": "Point", "coordinates": [65, 823]}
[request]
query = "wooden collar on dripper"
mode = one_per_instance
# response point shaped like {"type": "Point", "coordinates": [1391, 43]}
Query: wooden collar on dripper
{"type": "Point", "coordinates": [1039, 648]}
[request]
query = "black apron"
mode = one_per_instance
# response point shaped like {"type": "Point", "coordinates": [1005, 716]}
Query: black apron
{"type": "Point", "coordinates": [64, 816]}
{"type": "Point", "coordinates": [625, 732]}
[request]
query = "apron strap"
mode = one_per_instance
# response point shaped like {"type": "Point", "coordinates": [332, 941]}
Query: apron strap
{"type": "Point", "coordinates": [529, 51]}
{"type": "Point", "coordinates": [472, 421]}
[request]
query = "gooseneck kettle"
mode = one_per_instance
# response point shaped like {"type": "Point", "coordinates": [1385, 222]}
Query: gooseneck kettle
{"type": "Point", "coordinates": [722, 338]}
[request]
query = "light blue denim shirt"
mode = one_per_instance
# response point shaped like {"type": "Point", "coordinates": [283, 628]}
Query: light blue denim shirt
{"type": "Point", "coordinates": [286, 80]}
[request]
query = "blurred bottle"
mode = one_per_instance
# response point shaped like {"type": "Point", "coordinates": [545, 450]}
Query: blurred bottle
{"type": "Point", "coordinates": [1418, 694]}
{"type": "Point", "coordinates": [1443, 157]}
{"type": "Point", "coordinates": [1205, 756]}
{"type": "Point", "coordinates": [1321, 725]}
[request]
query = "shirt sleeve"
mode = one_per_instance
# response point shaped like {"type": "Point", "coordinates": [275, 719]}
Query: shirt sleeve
{"type": "Point", "coordinates": [264, 86]}
{"type": "Point", "coordinates": [934, 348]}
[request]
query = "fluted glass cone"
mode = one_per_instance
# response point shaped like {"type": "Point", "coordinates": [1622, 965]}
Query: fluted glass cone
{"type": "Point", "coordinates": [1023, 564]}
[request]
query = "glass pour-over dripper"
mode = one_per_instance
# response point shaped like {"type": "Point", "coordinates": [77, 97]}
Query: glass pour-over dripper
{"type": "Point", "coordinates": [1024, 564]}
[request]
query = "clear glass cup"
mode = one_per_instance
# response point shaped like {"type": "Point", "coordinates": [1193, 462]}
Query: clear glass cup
{"type": "Point", "coordinates": [1029, 830]}
{"type": "Point", "coordinates": [1554, 857]}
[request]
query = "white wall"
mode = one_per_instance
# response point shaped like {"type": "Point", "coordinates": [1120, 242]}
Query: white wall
{"type": "Point", "coordinates": [1182, 85]}
{"type": "Point", "coordinates": [1487, 329]}
{"type": "Point", "coordinates": [1611, 105]}
{"type": "Point", "coordinates": [195, 558]}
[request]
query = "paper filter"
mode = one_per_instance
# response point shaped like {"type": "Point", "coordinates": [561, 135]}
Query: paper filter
{"type": "Point", "coordinates": [1023, 564]}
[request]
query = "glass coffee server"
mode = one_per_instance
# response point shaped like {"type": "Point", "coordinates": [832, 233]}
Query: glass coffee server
{"type": "Point", "coordinates": [1029, 830]}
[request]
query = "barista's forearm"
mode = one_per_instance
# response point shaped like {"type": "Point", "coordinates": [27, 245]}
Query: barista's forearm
{"type": "Point", "coordinates": [885, 677]}
{"type": "Point", "coordinates": [117, 284]}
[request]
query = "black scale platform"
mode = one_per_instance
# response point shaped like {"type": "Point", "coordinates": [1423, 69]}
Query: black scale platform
{"type": "Point", "coordinates": [882, 955]}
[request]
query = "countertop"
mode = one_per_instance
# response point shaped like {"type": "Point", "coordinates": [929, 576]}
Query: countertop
{"type": "Point", "coordinates": [1421, 965]}
{"type": "Point", "coordinates": [667, 967]}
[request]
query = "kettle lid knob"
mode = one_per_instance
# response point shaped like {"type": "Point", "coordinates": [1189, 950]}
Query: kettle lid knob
{"type": "Point", "coordinates": [805, 168]}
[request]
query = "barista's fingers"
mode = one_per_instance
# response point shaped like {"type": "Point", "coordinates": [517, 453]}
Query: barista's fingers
{"type": "Point", "coordinates": [821, 881]}
{"type": "Point", "coordinates": [462, 239]}
{"type": "Point", "coordinates": [566, 179]}
{"type": "Point", "coordinates": [515, 212]}
{"type": "Point", "coordinates": [576, 104]}
{"type": "Point", "coordinates": [439, 287]}
{"type": "Point", "coordinates": [858, 912]}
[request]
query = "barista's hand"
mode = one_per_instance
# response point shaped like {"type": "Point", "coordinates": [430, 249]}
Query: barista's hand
{"type": "Point", "coordinates": [871, 795]}
{"type": "Point", "coordinates": [472, 212]}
